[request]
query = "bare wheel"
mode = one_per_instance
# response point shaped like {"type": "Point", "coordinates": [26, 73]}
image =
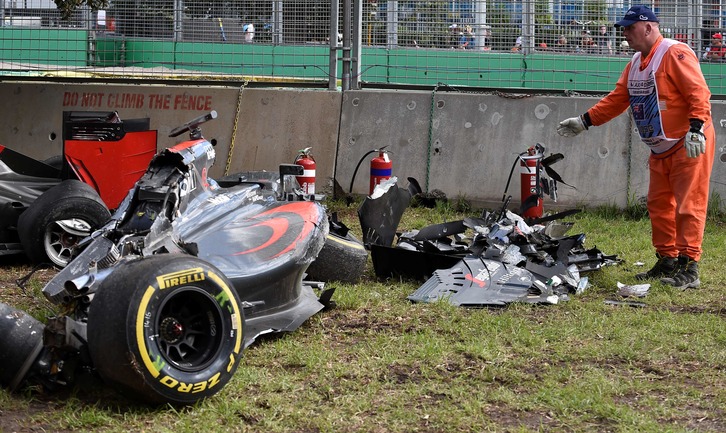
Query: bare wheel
{"type": "Point", "coordinates": [62, 236]}
{"type": "Point", "coordinates": [187, 329]}
{"type": "Point", "coordinates": [54, 223]}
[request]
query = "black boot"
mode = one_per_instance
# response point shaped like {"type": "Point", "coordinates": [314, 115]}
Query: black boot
{"type": "Point", "coordinates": [664, 267]}
{"type": "Point", "coordinates": [686, 276]}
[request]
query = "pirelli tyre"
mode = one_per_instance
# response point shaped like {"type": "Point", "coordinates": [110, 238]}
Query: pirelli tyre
{"type": "Point", "coordinates": [166, 329]}
{"type": "Point", "coordinates": [343, 258]}
{"type": "Point", "coordinates": [54, 223]}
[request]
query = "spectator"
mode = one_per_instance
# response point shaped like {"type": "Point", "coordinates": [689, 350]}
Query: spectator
{"type": "Point", "coordinates": [517, 44]}
{"type": "Point", "coordinates": [485, 40]}
{"type": "Point", "coordinates": [561, 45]}
{"type": "Point", "coordinates": [625, 49]}
{"type": "Point", "coordinates": [466, 40]}
{"type": "Point", "coordinates": [602, 40]}
{"type": "Point", "coordinates": [452, 38]}
{"type": "Point", "coordinates": [249, 31]}
{"type": "Point", "coordinates": [670, 104]}
{"type": "Point", "coordinates": [587, 44]}
{"type": "Point", "coordinates": [717, 50]}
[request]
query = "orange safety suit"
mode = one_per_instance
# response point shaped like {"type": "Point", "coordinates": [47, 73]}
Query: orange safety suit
{"type": "Point", "coordinates": [679, 185]}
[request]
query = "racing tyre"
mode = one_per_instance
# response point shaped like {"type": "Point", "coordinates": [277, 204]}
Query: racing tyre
{"type": "Point", "coordinates": [58, 219]}
{"type": "Point", "coordinates": [55, 161]}
{"type": "Point", "coordinates": [20, 345]}
{"type": "Point", "coordinates": [343, 258]}
{"type": "Point", "coordinates": [166, 329]}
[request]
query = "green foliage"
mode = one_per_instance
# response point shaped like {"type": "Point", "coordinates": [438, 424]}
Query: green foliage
{"type": "Point", "coordinates": [716, 208]}
{"type": "Point", "coordinates": [67, 7]}
{"type": "Point", "coordinates": [542, 12]}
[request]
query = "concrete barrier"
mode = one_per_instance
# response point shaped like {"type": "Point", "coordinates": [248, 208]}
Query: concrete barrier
{"type": "Point", "coordinates": [466, 144]}
{"type": "Point", "coordinates": [463, 144]}
{"type": "Point", "coordinates": [256, 129]}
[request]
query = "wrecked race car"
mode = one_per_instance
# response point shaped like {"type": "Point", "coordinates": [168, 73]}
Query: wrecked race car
{"type": "Point", "coordinates": [163, 299]}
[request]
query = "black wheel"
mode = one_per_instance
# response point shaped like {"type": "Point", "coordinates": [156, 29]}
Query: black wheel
{"type": "Point", "coordinates": [21, 342]}
{"type": "Point", "coordinates": [54, 223]}
{"type": "Point", "coordinates": [55, 161]}
{"type": "Point", "coordinates": [343, 258]}
{"type": "Point", "coordinates": [166, 329]}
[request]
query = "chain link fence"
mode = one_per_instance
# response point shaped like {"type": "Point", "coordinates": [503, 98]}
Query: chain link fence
{"type": "Point", "coordinates": [535, 44]}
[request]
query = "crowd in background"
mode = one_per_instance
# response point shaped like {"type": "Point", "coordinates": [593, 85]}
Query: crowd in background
{"type": "Point", "coordinates": [601, 42]}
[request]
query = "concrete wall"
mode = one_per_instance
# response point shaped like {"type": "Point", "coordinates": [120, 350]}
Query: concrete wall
{"type": "Point", "coordinates": [462, 144]}
{"type": "Point", "coordinates": [271, 126]}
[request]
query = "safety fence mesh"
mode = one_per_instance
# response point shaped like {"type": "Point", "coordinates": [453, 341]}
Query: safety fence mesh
{"type": "Point", "coordinates": [533, 44]}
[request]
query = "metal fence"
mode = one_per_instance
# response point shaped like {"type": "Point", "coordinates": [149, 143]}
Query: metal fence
{"type": "Point", "coordinates": [550, 44]}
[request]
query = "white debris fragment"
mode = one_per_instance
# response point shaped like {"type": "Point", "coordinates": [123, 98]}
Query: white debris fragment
{"type": "Point", "coordinates": [519, 222]}
{"type": "Point", "coordinates": [383, 187]}
{"type": "Point", "coordinates": [637, 290]}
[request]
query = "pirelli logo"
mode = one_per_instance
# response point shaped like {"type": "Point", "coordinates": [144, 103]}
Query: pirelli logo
{"type": "Point", "coordinates": [180, 278]}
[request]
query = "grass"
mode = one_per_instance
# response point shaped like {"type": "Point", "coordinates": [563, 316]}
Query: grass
{"type": "Point", "coordinates": [377, 363]}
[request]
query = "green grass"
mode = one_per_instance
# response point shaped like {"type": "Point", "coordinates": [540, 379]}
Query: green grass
{"type": "Point", "coordinates": [377, 363]}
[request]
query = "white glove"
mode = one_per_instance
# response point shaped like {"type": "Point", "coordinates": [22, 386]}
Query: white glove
{"type": "Point", "coordinates": [571, 127]}
{"type": "Point", "coordinates": [695, 143]}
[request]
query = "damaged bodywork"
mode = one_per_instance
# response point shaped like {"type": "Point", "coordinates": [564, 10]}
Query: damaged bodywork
{"type": "Point", "coordinates": [509, 261]}
{"type": "Point", "coordinates": [490, 260]}
{"type": "Point", "coordinates": [163, 299]}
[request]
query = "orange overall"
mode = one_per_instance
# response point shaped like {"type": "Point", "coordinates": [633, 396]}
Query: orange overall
{"type": "Point", "coordinates": [678, 191]}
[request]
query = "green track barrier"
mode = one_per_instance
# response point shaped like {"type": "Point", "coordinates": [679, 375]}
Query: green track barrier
{"type": "Point", "coordinates": [69, 48]}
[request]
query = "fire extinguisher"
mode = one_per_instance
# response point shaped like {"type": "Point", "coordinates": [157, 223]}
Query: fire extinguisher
{"type": "Point", "coordinates": [531, 193]}
{"type": "Point", "coordinates": [307, 180]}
{"type": "Point", "coordinates": [381, 168]}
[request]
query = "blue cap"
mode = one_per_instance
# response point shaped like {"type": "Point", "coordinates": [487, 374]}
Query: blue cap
{"type": "Point", "coordinates": [635, 14]}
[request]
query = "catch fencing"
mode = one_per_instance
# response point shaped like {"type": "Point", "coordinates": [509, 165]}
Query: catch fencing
{"type": "Point", "coordinates": [562, 45]}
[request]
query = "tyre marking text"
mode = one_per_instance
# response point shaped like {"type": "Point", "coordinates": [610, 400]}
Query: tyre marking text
{"type": "Point", "coordinates": [190, 387]}
{"type": "Point", "coordinates": [179, 278]}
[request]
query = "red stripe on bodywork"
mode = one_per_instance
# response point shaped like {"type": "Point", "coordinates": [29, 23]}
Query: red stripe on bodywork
{"type": "Point", "coordinates": [280, 224]}
{"type": "Point", "coordinates": [476, 281]}
{"type": "Point", "coordinates": [184, 145]}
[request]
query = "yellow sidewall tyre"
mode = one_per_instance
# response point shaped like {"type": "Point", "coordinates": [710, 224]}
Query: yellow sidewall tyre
{"type": "Point", "coordinates": [166, 329]}
{"type": "Point", "coordinates": [343, 258]}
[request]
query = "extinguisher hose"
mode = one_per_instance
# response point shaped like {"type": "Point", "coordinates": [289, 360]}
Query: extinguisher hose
{"type": "Point", "coordinates": [355, 172]}
{"type": "Point", "coordinates": [511, 172]}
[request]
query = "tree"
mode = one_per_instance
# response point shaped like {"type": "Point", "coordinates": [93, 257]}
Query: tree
{"type": "Point", "coordinates": [67, 7]}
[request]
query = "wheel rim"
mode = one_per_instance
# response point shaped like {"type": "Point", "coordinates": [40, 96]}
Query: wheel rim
{"type": "Point", "coordinates": [62, 236]}
{"type": "Point", "coordinates": [190, 329]}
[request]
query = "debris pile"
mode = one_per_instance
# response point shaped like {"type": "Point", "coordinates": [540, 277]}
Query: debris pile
{"type": "Point", "coordinates": [507, 259]}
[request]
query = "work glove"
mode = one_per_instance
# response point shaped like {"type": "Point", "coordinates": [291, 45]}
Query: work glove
{"type": "Point", "coordinates": [571, 127]}
{"type": "Point", "coordinates": [695, 141]}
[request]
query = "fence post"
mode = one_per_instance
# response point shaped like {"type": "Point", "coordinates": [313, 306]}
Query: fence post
{"type": "Point", "coordinates": [356, 41]}
{"type": "Point", "coordinates": [346, 45]}
{"type": "Point", "coordinates": [333, 39]}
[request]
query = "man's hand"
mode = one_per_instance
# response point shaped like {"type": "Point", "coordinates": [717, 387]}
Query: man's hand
{"type": "Point", "coordinates": [695, 143]}
{"type": "Point", "coordinates": [571, 127]}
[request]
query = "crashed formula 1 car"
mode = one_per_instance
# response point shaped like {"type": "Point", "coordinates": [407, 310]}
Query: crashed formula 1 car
{"type": "Point", "coordinates": [163, 299]}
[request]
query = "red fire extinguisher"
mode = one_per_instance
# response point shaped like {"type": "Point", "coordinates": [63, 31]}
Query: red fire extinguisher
{"type": "Point", "coordinates": [381, 168]}
{"type": "Point", "coordinates": [529, 178]}
{"type": "Point", "coordinates": [307, 180]}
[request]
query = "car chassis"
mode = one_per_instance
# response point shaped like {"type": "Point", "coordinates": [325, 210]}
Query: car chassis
{"type": "Point", "coordinates": [162, 300]}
